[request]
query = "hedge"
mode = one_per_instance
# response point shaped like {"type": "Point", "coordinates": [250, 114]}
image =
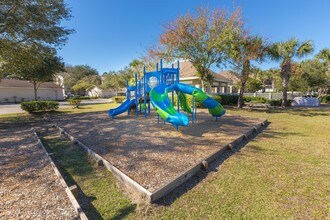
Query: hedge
{"type": "Point", "coordinates": [325, 98]}
{"type": "Point", "coordinates": [84, 97]}
{"type": "Point", "coordinates": [232, 99]}
{"type": "Point", "coordinates": [189, 100]}
{"type": "Point", "coordinates": [118, 99]}
{"type": "Point", "coordinates": [253, 99]}
{"type": "Point", "coordinates": [36, 106]}
{"type": "Point", "coordinates": [229, 99]}
{"type": "Point", "coordinates": [223, 99]}
{"type": "Point", "coordinates": [74, 102]}
{"type": "Point", "coordinates": [277, 102]}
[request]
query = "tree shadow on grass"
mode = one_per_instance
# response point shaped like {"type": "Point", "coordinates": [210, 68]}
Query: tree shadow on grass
{"type": "Point", "coordinates": [202, 174]}
{"type": "Point", "coordinates": [123, 212]}
{"type": "Point", "coordinates": [305, 112]}
{"type": "Point", "coordinates": [73, 161]}
{"type": "Point", "coordinates": [298, 111]}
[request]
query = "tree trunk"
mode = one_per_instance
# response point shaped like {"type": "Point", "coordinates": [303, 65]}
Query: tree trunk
{"type": "Point", "coordinates": [285, 93]}
{"type": "Point", "coordinates": [35, 88]}
{"type": "Point", "coordinates": [241, 95]}
{"type": "Point", "coordinates": [203, 85]}
{"type": "Point", "coordinates": [285, 76]}
{"type": "Point", "coordinates": [244, 78]}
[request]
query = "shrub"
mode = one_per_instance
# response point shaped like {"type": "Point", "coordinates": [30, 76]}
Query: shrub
{"type": "Point", "coordinates": [36, 106]}
{"type": "Point", "coordinates": [325, 98]}
{"type": "Point", "coordinates": [119, 99]}
{"type": "Point", "coordinates": [189, 100]}
{"type": "Point", "coordinates": [74, 102]}
{"type": "Point", "coordinates": [274, 102]}
{"type": "Point", "coordinates": [255, 99]}
{"type": "Point", "coordinates": [222, 99]}
{"type": "Point", "coordinates": [217, 98]}
{"type": "Point", "coordinates": [229, 99]}
{"type": "Point", "coordinates": [80, 97]}
{"type": "Point", "coordinates": [277, 102]}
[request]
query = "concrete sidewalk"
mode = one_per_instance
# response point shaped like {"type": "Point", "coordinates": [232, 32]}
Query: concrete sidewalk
{"type": "Point", "coordinates": [16, 108]}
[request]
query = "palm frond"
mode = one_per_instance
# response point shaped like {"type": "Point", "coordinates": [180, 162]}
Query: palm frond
{"type": "Point", "coordinates": [305, 48]}
{"type": "Point", "coordinates": [324, 54]}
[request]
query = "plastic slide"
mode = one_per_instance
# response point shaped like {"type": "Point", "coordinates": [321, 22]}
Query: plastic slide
{"type": "Point", "coordinates": [122, 108]}
{"type": "Point", "coordinates": [161, 102]}
{"type": "Point", "coordinates": [184, 103]}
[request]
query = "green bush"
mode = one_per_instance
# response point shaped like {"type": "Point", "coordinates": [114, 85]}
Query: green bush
{"type": "Point", "coordinates": [81, 97]}
{"type": "Point", "coordinates": [217, 98]}
{"type": "Point", "coordinates": [277, 102]}
{"type": "Point", "coordinates": [189, 100]}
{"type": "Point", "coordinates": [274, 102]}
{"type": "Point", "coordinates": [325, 98]}
{"type": "Point", "coordinates": [223, 99]}
{"type": "Point", "coordinates": [74, 102]}
{"type": "Point", "coordinates": [118, 99]}
{"type": "Point", "coordinates": [229, 99]}
{"type": "Point", "coordinates": [255, 99]}
{"type": "Point", "coordinates": [37, 106]}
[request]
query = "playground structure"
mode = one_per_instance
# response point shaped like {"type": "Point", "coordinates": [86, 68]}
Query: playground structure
{"type": "Point", "coordinates": [155, 88]}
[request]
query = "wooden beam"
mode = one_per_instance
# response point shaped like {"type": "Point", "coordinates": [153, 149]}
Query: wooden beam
{"type": "Point", "coordinates": [69, 193]}
{"type": "Point", "coordinates": [123, 178]}
{"type": "Point", "coordinates": [184, 176]}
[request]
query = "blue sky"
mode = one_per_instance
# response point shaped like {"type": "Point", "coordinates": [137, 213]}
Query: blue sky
{"type": "Point", "coordinates": [111, 33]}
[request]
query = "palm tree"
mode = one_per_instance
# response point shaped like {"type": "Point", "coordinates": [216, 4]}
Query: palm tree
{"type": "Point", "coordinates": [285, 52]}
{"type": "Point", "coordinates": [243, 50]}
{"type": "Point", "coordinates": [324, 54]}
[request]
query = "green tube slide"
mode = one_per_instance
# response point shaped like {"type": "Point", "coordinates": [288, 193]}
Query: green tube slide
{"type": "Point", "coordinates": [184, 103]}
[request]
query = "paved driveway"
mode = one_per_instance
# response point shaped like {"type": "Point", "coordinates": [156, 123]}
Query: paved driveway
{"type": "Point", "coordinates": [16, 108]}
{"type": "Point", "coordinates": [10, 108]}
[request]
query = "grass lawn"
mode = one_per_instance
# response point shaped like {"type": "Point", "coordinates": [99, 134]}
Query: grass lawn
{"type": "Point", "coordinates": [100, 197]}
{"type": "Point", "coordinates": [283, 173]}
{"type": "Point", "coordinates": [18, 119]}
{"type": "Point", "coordinates": [88, 108]}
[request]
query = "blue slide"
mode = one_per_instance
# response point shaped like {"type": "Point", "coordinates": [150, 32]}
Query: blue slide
{"type": "Point", "coordinates": [122, 108]}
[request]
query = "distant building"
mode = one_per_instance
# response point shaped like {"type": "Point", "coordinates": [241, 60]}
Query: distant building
{"type": "Point", "coordinates": [233, 79]}
{"type": "Point", "coordinates": [60, 79]}
{"type": "Point", "coordinates": [14, 90]}
{"type": "Point", "coordinates": [105, 93]}
{"type": "Point", "coordinates": [188, 75]}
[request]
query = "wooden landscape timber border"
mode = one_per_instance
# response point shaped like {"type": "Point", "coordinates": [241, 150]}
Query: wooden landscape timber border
{"type": "Point", "coordinates": [70, 191]}
{"type": "Point", "coordinates": [178, 180]}
{"type": "Point", "coordinates": [129, 183]}
{"type": "Point", "coordinates": [191, 171]}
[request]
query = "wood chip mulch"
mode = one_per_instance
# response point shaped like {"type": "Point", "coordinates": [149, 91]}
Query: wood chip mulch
{"type": "Point", "coordinates": [153, 154]}
{"type": "Point", "coordinates": [29, 188]}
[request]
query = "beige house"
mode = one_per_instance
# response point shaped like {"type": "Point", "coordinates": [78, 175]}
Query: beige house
{"type": "Point", "coordinates": [59, 79]}
{"type": "Point", "coordinates": [105, 93]}
{"type": "Point", "coordinates": [188, 75]}
{"type": "Point", "coordinates": [233, 79]}
{"type": "Point", "coordinates": [13, 90]}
